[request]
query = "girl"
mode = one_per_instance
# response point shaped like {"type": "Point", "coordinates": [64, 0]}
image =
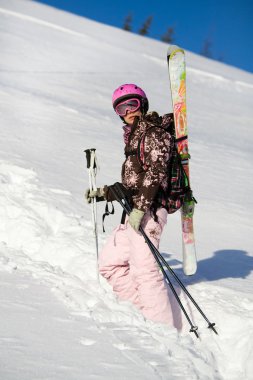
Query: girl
{"type": "Point", "coordinates": [126, 261]}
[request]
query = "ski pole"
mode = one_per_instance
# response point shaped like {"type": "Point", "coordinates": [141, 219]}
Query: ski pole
{"type": "Point", "coordinates": [92, 171]}
{"type": "Point", "coordinates": [210, 325]}
{"type": "Point", "coordinates": [127, 208]}
{"type": "Point", "coordinates": [153, 248]}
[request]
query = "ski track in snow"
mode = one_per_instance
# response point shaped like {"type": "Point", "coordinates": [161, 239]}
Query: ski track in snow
{"type": "Point", "coordinates": [201, 74]}
{"type": "Point", "coordinates": [47, 245]}
{"type": "Point", "coordinates": [41, 22]}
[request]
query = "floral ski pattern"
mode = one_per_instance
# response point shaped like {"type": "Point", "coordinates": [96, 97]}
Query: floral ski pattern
{"type": "Point", "coordinates": [146, 180]}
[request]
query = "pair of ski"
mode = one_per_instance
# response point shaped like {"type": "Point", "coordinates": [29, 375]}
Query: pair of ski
{"type": "Point", "coordinates": [177, 76]}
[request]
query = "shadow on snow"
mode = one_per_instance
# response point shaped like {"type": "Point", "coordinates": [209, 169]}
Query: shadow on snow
{"type": "Point", "coordinates": [227, 263]}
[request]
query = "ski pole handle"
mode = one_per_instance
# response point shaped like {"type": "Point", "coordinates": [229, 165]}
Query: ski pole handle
{"type": "Point", "coordinates": [88, 157]}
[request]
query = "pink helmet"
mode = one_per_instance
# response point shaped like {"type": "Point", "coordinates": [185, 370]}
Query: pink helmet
{"type": "Point", "coordinates": [127, 91]}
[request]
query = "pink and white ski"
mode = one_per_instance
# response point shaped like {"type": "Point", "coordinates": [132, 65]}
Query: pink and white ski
{"type": "Point", "coordinates": [177, 75]}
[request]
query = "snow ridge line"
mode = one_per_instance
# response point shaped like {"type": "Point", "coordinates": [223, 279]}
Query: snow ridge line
{"type": "Point", "coordinates": [34, 221]}
{"type": "Point", "coordinates": [38, 236]}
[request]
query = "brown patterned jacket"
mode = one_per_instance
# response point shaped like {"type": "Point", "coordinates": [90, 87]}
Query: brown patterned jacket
{"type": "Point", "coordinates": [147, 180]}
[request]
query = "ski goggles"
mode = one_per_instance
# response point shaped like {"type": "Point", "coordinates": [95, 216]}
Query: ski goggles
{"type": "Point", "coordinates": [130, 105]}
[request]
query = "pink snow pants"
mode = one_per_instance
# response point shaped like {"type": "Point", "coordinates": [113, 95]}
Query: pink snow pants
{"type": "Point", "coordinates": [129, 266]}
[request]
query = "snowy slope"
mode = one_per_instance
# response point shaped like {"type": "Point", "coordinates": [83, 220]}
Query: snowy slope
{"type": "Point", "coordinates": [57, 74]}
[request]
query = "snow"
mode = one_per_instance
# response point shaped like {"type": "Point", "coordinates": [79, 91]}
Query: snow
{"type": "Point", "coordinates": [56, 322]}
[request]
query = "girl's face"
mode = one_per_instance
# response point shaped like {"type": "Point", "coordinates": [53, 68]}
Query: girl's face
{"type": "Point", "coordinates": [129, 118]}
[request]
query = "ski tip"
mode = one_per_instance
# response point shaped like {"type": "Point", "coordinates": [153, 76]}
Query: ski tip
{"type": "Point", "coordinates": [190, 273]}
{"type": "Point", "coordinates": [172, 49]}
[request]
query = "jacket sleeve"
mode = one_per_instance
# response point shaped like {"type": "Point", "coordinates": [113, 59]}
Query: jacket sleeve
{"type": "Point", "coordinates": [158, 151]}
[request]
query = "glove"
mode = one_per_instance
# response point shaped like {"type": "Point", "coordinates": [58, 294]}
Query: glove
{"type": "Point", "coordinates": [135, 218]}
{"type": "Point", "coordinates": [91, 194]}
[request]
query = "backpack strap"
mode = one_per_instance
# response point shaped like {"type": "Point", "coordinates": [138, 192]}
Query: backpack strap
{"type": "Point", "coordinates": [181, 138]}
{"type": "Point", "coordinates": [139, 152]}
{"type": "Point", "coordinates": [186, 156]}
{"type": "Point", "coordinates": [107, 213]}
{"type": "Point", "coordinates": [131, 153]}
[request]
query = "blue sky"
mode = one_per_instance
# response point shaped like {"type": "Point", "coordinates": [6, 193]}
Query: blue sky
{"type": "Point", "coordinates": [227, 24]}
